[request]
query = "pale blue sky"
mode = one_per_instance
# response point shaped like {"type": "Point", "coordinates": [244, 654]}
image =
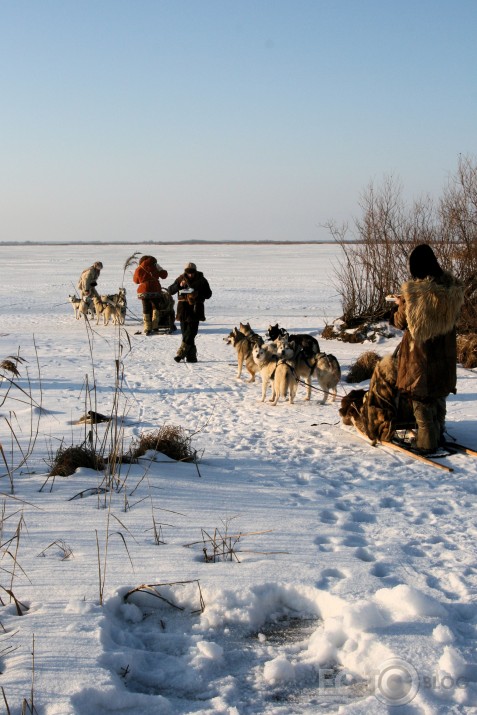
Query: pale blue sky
{"type": "Point", "coordinates": [225, 120]}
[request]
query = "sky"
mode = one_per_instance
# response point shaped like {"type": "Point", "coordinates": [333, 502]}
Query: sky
{"type": "Point", "coordinates": [177, 120]}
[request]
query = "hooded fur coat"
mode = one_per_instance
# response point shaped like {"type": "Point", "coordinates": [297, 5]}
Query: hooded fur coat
{"type": "Point", "coordinates": [428, 353]}
{"type": "Point", "coordinates": [147, 276]}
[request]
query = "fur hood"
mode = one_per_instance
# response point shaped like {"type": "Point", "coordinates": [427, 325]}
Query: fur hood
{"type": "Point", "coordinates": [432, 305]}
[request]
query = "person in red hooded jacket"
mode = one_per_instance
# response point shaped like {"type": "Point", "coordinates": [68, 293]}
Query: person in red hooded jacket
{"type": "Point", "coordinates": [149, 290]}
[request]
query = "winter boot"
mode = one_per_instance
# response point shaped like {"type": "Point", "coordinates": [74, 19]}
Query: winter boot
{"type": "Point", "coordinates": [192, 354]}
{"type": "Point", "coordinates": [181, 353]}
{"type": "Point", "coordinates": [155, 320]}
{"type": "Point", "coordinates": [147, 324]}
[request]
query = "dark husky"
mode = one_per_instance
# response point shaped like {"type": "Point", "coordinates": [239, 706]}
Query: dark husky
{"type": "Point", "coordinates": [306, 342]}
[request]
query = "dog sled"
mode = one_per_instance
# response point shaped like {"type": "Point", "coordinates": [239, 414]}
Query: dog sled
{"type": "Point", "coordinates": [166, 323]}
{"type": "Point", "coordinates": [384, 418]}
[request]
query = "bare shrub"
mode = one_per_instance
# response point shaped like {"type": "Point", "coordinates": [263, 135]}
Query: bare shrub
{"type": "Point", "coordinates": [467, 350]}
{"type": "Point", "coordinates": [363, 367]}
{"type": "Point", "coordinates": [375, 262]}
{"type": "Point", "coordinates": [328, 332]}
{"type": "Point", "coordinates": [68, 459]}
{"type": "Point", "coordinates": [172, 441]}
{"type": "Point", "coordinates": [356, 332]}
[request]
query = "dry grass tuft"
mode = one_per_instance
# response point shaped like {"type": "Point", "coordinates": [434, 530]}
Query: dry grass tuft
{"type": "Point", "coordinates": [467, 350]}
{"type": "Point", "coordinates": [329, 332]}
{"type": "Point", "coordinates": [68, 459]}
{"type": "Point", "coordinates": [172, 441]}
{"type": "Point", "coordinates": [10, 364]}
{"type": "Point", "coordinates": [363, 367]}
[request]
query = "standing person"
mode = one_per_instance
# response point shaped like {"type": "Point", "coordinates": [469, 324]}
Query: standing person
{"type": "Point", "coordinates": [428, 309]}
{"type": "Point", "coordinates": [147, 275]}
{"type": "Point", "coordinates": [87, 287]}
{"type": "Point", "coordinates": [193, 288]}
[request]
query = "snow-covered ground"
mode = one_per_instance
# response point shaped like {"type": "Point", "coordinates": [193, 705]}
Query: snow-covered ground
{"type": "Point", "coordinates": [355, 588]}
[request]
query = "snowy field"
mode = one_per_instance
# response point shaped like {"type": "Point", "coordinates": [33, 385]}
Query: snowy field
{"type": "Point", "coordinates": [356, 580]}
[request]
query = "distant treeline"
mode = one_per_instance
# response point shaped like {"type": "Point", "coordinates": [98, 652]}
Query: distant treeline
{"type": "Point", "coordinates": [164, 243]}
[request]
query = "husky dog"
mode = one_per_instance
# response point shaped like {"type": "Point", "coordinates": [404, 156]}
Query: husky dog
{"type": "Point", "coordinates": [285, 349]}
{"type": "Point", "coordinates": [243, 346]}
{"type": "Point", "coordinates": [81, 307]}
{"type": "Point", "coordinates": [75, 302]}
{"type": "Point", "coordinates": [114, 307]}
{"type": "Point", "coordinates": [306, 342]}
{"type": "Point", "coordinates": [116, 299]}
{"type": "Point", "coordinates": [110, 311]}
{"type": "Point", "coordinates": [302, 363]}
{"type": "Point", "coordinates": [328, 373]}
{"type": "Point", "coordinates": [266, 359]}
{"type": "Point", "coordinates": [274, 332]}
{"type": "Point", "coordinates": [284, 382]}
{"type": "Point", "coordinates": [250, 334]}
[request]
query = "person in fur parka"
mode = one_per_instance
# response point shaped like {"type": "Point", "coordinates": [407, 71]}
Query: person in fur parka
{"type": "Point", "coordinates": [149, 290]}
{"type": "Point", "coordinates": [428, 309]}
{"type": "Point", "coordinates": [87, 287]}
{"type": "Point", "coordinates": [193, 288]}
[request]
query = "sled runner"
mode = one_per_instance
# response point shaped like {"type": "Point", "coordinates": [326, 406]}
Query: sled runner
{"type": "Point", "coordinates": [394, 446]}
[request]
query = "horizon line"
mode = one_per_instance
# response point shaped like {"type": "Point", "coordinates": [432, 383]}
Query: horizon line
{"type": "Point", "coordinates": [164, 243]}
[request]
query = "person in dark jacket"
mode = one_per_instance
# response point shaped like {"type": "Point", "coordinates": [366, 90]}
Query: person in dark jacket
{"type": "Point", "coordinates": [428, 309]}
{"type": "Point", "coordinates": [193, 289]}
{"type": "Point", "coordinates": [149, 290]}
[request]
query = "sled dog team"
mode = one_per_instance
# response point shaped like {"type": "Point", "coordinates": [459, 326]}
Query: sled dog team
{"type": "Point", "coordinates": [283, 361]}
{"type": "Point", "coordinates": [113, 307]}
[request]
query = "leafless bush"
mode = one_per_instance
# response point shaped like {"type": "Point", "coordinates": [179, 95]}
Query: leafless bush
{"type": "Point", "coordinates": [358, 332]}
{"type": "Point", "coordinates": [363, 367]}
{"type": "Point", "coordinates": [375, 262]}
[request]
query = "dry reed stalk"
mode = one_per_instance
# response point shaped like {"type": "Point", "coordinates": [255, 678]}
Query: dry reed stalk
{"type": "Point", "coordinates": [151, 589]}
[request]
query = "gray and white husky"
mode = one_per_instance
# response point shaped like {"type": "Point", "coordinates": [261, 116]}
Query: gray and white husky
{"type": "Point", "coordinates": [302, 362]}
{"type": "Point", "coordinates": [266, 359]}
{"type": "Point", "coordinates": [328, 373]}
{"type": "Point", "coordinates": [284, 382]}
{"type": "Point", "coordinates": [80, 307]}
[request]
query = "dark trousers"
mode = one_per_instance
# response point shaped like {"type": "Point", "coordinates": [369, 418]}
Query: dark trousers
{"type": "Point", "coordinates": [189, 330]}
{"type": "Point", "coordinates": [153, 300]}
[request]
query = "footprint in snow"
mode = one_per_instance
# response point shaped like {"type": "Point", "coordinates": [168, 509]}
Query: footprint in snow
{"type": "Point", "coordinates": [391, 503]}
{"type": "Point", "coordinates": [323, 543]}
{"type": "Point", "coordinates": [328, 517]}
{"type": "Point", "coordinates": [362, 517]}
{"type": "Point", "coordinates": [354, 541]}
{"type": "Point", "coordinates": [329, 579]}
{"type": "Point", "coordinates": [364, 555]}
{"type": "Point", "coordinates": [381, 569]}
